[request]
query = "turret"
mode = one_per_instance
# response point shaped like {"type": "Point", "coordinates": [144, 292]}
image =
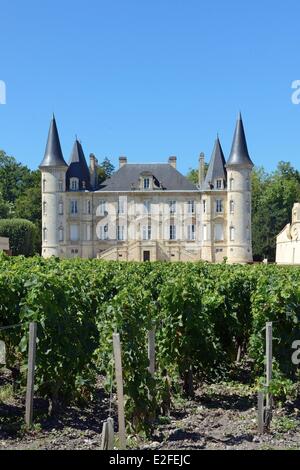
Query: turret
{"type": "Point", "coordinates": [78, 174]}
{"type": "Point", "coordinates": [239, 167]}
{"type": "Point", "coordinates": [53, 169]}
{"type": "Point", "coordinates": [213, 206]}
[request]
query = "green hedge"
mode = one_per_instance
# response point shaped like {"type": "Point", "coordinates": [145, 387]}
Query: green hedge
{"type": "Point", "coordinates": [22, 235]}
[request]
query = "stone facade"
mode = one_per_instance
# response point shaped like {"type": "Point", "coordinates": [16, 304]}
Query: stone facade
{"type": "Point", "coordinates": [288, 240]}
{"type": "Point", "coordinates": [147, 211]}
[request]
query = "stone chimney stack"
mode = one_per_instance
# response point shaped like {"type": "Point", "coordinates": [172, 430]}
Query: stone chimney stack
{"type": "Point", "coordinates": [93, 170]}
{"type": "Point", "coordinates": [201, 170]}
{"type": "Point", "coordinates": [122, 161]}
{"type": "Point", "coordinates": [172, 161]}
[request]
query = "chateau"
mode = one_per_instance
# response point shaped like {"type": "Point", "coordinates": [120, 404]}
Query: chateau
{"type": "Point", "coordinates": [147, 212]}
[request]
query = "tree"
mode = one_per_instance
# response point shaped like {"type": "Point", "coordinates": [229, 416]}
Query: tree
{"type": "Point", "coordinates": [22, 235]}
{"type": "Point", "coordinates": [273, 197]}
{"type": "Point", "coordinates": [14, 177]}
{"type": "Point", "coordinates": [105, 170]}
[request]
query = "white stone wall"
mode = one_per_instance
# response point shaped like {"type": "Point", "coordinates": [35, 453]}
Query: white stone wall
{"type": "Point", "coordinates": [239, 191]}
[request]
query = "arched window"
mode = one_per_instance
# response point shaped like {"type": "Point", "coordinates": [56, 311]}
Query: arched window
{"type": "Point", "coordinates": [232, 233]}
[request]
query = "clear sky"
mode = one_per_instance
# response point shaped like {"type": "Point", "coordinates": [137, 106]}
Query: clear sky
{"type": "Point", "coordinates": [150, 78]}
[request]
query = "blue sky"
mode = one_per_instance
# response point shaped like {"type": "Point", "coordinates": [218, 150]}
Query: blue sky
{"type": "Point", "coordinates": [149, 79]}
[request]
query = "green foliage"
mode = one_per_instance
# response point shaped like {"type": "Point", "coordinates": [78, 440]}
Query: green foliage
{"type": "Point", "coordinates": [105, 170]}
{"type": "Point", "coordinates": [201, 313]}
{"type": "Point", "coordinates": [22, 235]}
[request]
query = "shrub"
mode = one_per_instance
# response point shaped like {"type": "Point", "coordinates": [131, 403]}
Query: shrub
{"type": "Point", "coordinates": [22, 235]}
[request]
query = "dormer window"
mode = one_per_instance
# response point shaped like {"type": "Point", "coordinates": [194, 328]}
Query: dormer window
{"type": "Point", "coordinates": [74, 184]}
{"type": "Point", "coordinates": [219, 184]}
{"type": "Point", "coordinates": [146, 183]}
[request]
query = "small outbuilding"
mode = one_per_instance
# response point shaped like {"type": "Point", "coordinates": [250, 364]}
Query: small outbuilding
{"type": "Point", "coordinates": [288, 240]}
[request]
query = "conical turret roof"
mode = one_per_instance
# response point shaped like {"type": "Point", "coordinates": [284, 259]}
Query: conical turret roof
{"type": "Point", "coordinates": [216, 169]}
{"type": "Point", "coordinates": [239, 154]}
{"type": "Point", "coordinates": [78, 167]}
{"type": "Point", "coordinates": [53, 154]}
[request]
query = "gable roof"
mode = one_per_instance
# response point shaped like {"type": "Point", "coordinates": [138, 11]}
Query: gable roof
{"type": "Point", "coordinates": [216, 168]}
{"type": "Point", "coordinates": [239, 154]}
{"type": "Point", "coordinates": [53, 154]}
{"type": "Point", "coordinates": [78, 167]}
{"type": "Point", "coordinates": [127, 178]}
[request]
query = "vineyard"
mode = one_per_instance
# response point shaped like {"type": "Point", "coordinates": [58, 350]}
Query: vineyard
{"type": "Point", "coordinates": [204, 317]}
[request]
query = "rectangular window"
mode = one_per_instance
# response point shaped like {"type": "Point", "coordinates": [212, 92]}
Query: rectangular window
{"type": "Point", "coordinates": [147, 207]}
{"type": "Point", "coordinates": [103, 232]}
{"type": "Point", "coordinates": [204, 232]}
{"type": "Point", "coordinates": [88, 206]}
{"type": "Point", "coordinates": [121, 205]}
{"type": "Point", "coordinates": [204, 206]}
{"type": "Point", "coordinates": [219, 233]}
{"type": "Point", "coordinates": [219, 184]}
{"type": "Point", "coordinates": [219, 205]}
{"type": "Point", "coordinates": [44, 185]}
{"type": "Point", "coordinates": [102, 207]}
{"type": "Point", "coordinates": [61, 234]}
{"type": "Point", "coordinates": [231, 184]}
{"type": "Point", "coordinates": [146, 183]}
{"type": "Point", "coordinates": [45, 234]}
{"type": "Point", "coordinates": [231, 204]}
{"type": "Point", "coordinates": [172, 206]}
{"type": "Point", "coordinates": [74, 233]}
{"type": "Point", "coordinates": [60, 185]}
{"type": "Point", "coordinates": [74, 183]}
{"type": "Point", "coordinates": [191, 232]}
{"type": "Point", "coordinates": [74, 208]}
{"type": "Point", "coordinates": [172, 232]}
{"type": "Point", "coordinates": [146, 232]}
{"type": "Point", "coordinates": [44, 207]}
{"type": "Point", "coordinates": [120, 232]}
{"type": "Point", "coordinates": [60, 208]}
{"type": "Point", "coordinates": [232, 234]}
{"type": "Point", "coordinates": [88, 232]}
{"type": "Point", "coordinates": [191, 207]}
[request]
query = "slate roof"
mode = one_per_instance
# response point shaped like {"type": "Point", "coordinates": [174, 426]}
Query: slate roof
{"type": "Point", "coordinates": [166, 176]}
{"type": "Point", "coordinates": [239, 154]}
{"type": "Point", "coordinates": [78, 167]}
{"type": "Point", "coordinates": [216, 168]}
{"type": "Point", "coordinates": [53, 154]}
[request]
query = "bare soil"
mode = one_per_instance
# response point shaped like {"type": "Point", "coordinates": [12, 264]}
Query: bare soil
{"type": "Point", "coordinates": [221, 416]}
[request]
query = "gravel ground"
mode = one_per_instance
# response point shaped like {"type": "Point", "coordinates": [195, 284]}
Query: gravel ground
{"type": "Point", "coordinates": [221, 416]}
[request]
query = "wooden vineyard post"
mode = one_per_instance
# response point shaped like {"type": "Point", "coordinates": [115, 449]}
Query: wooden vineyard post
{"type": "Point", "coordinates": [151, 351]}
{"type": "Point", "coordinates": [119, 380]}
{"type": "Point", "coordinates": [30, 374]}
{"type": "Point", "coordinates": [260, 412]}
{"type": "Point", "coordinates": [269, 354]}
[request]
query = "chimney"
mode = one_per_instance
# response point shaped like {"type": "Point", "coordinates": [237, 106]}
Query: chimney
{"type": "Point", "coordinates": [122, 161]}
{"type": "Point", "coordinates": [172, 161]}
{"type": "Point", "coordinates": [93, 170]}
{"type": "Point", "coordinates": [201, 170]}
